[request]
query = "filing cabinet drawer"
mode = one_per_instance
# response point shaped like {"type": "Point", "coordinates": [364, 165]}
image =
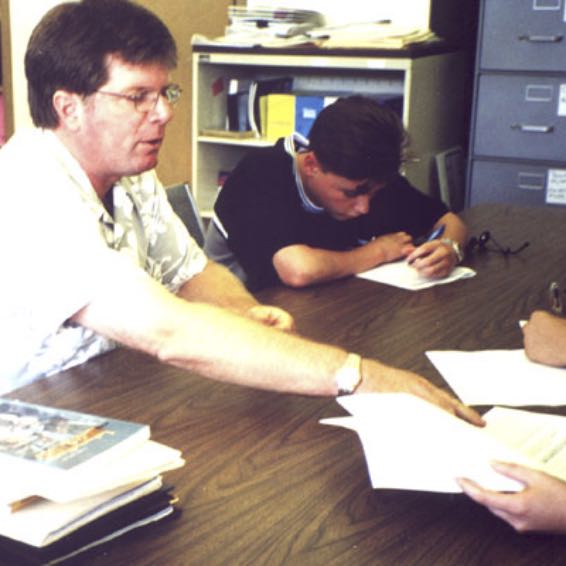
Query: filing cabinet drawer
{"type": "Point", "coordinates": [517, 183]}
{"type": "Point", "coordinates": [523, 35]}
{"type": "Point", "coordinates": [521, 116]}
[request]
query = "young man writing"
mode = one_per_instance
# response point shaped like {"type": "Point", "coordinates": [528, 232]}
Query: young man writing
{"type": "Point", "coordinates": [304, 212]}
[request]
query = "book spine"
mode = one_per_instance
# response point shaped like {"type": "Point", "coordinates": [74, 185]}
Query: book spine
{"type": "Point", "coordinates": [279, 110]}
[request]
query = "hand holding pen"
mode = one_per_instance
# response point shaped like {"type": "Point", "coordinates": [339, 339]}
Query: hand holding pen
{"type": "Point", "coordinates": [435, 257]}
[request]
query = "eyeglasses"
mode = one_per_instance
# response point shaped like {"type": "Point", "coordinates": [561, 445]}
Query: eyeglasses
{"type": "Point", "coordinates": [146, 100]}
{"type": "Point", "coordinates": [481, 244]}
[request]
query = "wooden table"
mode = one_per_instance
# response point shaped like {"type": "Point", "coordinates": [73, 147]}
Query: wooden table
{"type": "Point", "coordinates": [266, 484]}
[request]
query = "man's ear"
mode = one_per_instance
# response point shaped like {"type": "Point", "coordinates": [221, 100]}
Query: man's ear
{"type": "Point", "coordinates": [311, 164]}
{"type": "Point", "coordinates": [69, 107]}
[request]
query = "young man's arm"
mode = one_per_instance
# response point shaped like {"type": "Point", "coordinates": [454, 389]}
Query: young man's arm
{"type": "Point", "coordinates": [138, 312]}
{"type": "Point", "coordinates": [300, 265]}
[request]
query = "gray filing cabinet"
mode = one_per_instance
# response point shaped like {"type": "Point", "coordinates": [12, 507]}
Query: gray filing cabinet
{"type": "Point", "coordinates": [518, 137]}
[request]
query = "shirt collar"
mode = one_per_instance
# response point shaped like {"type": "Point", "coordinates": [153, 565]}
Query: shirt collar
{"type": "Point", "coordinates": [294, 144]}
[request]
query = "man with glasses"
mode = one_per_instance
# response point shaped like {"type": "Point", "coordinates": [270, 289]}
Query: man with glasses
{"type": "Point", "coordinates": [96, 255]}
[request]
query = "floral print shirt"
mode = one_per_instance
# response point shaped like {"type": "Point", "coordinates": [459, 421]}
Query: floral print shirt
{"type": "Point", "coordinates": [69, 248]}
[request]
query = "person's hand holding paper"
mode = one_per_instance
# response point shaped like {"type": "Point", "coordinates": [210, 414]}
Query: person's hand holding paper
{"type": "Point", "coordinates": [412, 444]}
{"type": "Point", "coordinates": [540, 506]}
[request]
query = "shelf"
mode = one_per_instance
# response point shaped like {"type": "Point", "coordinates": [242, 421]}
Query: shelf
{"type": "Point", "coordinates": [243, 142]}
{"type": "Point", "coordinates": [425, 81]}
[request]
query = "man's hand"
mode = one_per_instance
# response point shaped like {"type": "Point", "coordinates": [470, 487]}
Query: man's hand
{"type": "Point", "coordinates": [545, 339]}
{"type": "Point", "coordinates": [434, 259]}
{"type": "Point", "coordinates": [378, 377]}
{"type": "Point", "coordinates": [541, 506]}
{"type": "Point", "coordinates": [272, 316]}
{"type": "Point", "coordinates": [390, 247]}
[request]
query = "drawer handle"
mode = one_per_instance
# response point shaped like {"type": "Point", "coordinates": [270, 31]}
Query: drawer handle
{"type": "Point", "coordinates": [542, 38]}
{"type": "Point", "coordinates": [531, 128]}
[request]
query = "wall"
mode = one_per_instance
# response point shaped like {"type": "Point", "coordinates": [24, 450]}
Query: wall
{"type": "Point", "coordinates": [18, 20]}
{"type": "Point", "coordinates": [184, 18]}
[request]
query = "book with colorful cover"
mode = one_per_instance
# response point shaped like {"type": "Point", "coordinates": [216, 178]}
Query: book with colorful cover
{"type": "Point", "coordinates": [60, 439]}
{"type": "Point", "coordinates": [62, 455]}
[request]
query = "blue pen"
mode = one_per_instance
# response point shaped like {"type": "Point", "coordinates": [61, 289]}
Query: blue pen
{"type": "Point", "coordinates": [436, 233]}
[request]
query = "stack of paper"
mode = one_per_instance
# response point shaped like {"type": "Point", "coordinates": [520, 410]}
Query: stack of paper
{"type": "Point", "coordinates": [264, 26]}
{"type": "Point", "coordinates": [412, 444]}
{"type": "Point", "coordinates": [372, 35]}
{"type": "Point", "coordinates": [366, 35]}
{"type": "Point", "coordinates": [277, 22]}
{"type": "Point", "coordinates": [72, 480]}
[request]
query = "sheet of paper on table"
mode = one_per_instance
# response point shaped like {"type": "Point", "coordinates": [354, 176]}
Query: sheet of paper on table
{"type": "Point", "coordinates": [411, 444]}
{"type": "Point", "coordinates": [401, 274]}
{"type": "Point", "coordinates": [500, 377]}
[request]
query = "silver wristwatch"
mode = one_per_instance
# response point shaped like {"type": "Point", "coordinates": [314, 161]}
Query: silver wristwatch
{"type": "Point", "coordinates": [455, 248]}
{"type": "Point", "coordinates": [349, 375]}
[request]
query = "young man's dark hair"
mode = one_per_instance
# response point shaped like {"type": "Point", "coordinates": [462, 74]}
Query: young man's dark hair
{"type": "Point", "coordinates": [69, 49]}
{"type": "Point", "coordinates": [357, 138]}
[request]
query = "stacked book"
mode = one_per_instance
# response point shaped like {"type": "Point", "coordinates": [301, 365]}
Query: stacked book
{"type": "Point", "coordinates": [72, 481]}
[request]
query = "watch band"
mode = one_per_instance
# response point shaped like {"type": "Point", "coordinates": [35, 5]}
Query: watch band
{"type": "Point", "coordinates": [349, 375]}
{"type": "Point", "coordinates": [455, 248]}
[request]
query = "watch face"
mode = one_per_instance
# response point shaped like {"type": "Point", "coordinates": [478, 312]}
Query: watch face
{"type": "Point", "coordinates": [349, 376]}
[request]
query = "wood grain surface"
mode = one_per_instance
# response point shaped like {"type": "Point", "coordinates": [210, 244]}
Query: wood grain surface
{"type": "Point", "coordinates": [265, 484]}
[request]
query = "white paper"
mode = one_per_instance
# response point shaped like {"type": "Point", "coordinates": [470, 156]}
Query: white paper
{"type": "Point", "coordinates": [411, 444]}
{"type": "Point", "coordinates": [556, 186]}
{"type": "Point", "coordinates": [562, 100]}
{"type": "Point", "coordinates": [500, 377]}
{"type": "Point", "coordinates": [539, 437]}
{"type": "Point", "coordinates": [401, 274]}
